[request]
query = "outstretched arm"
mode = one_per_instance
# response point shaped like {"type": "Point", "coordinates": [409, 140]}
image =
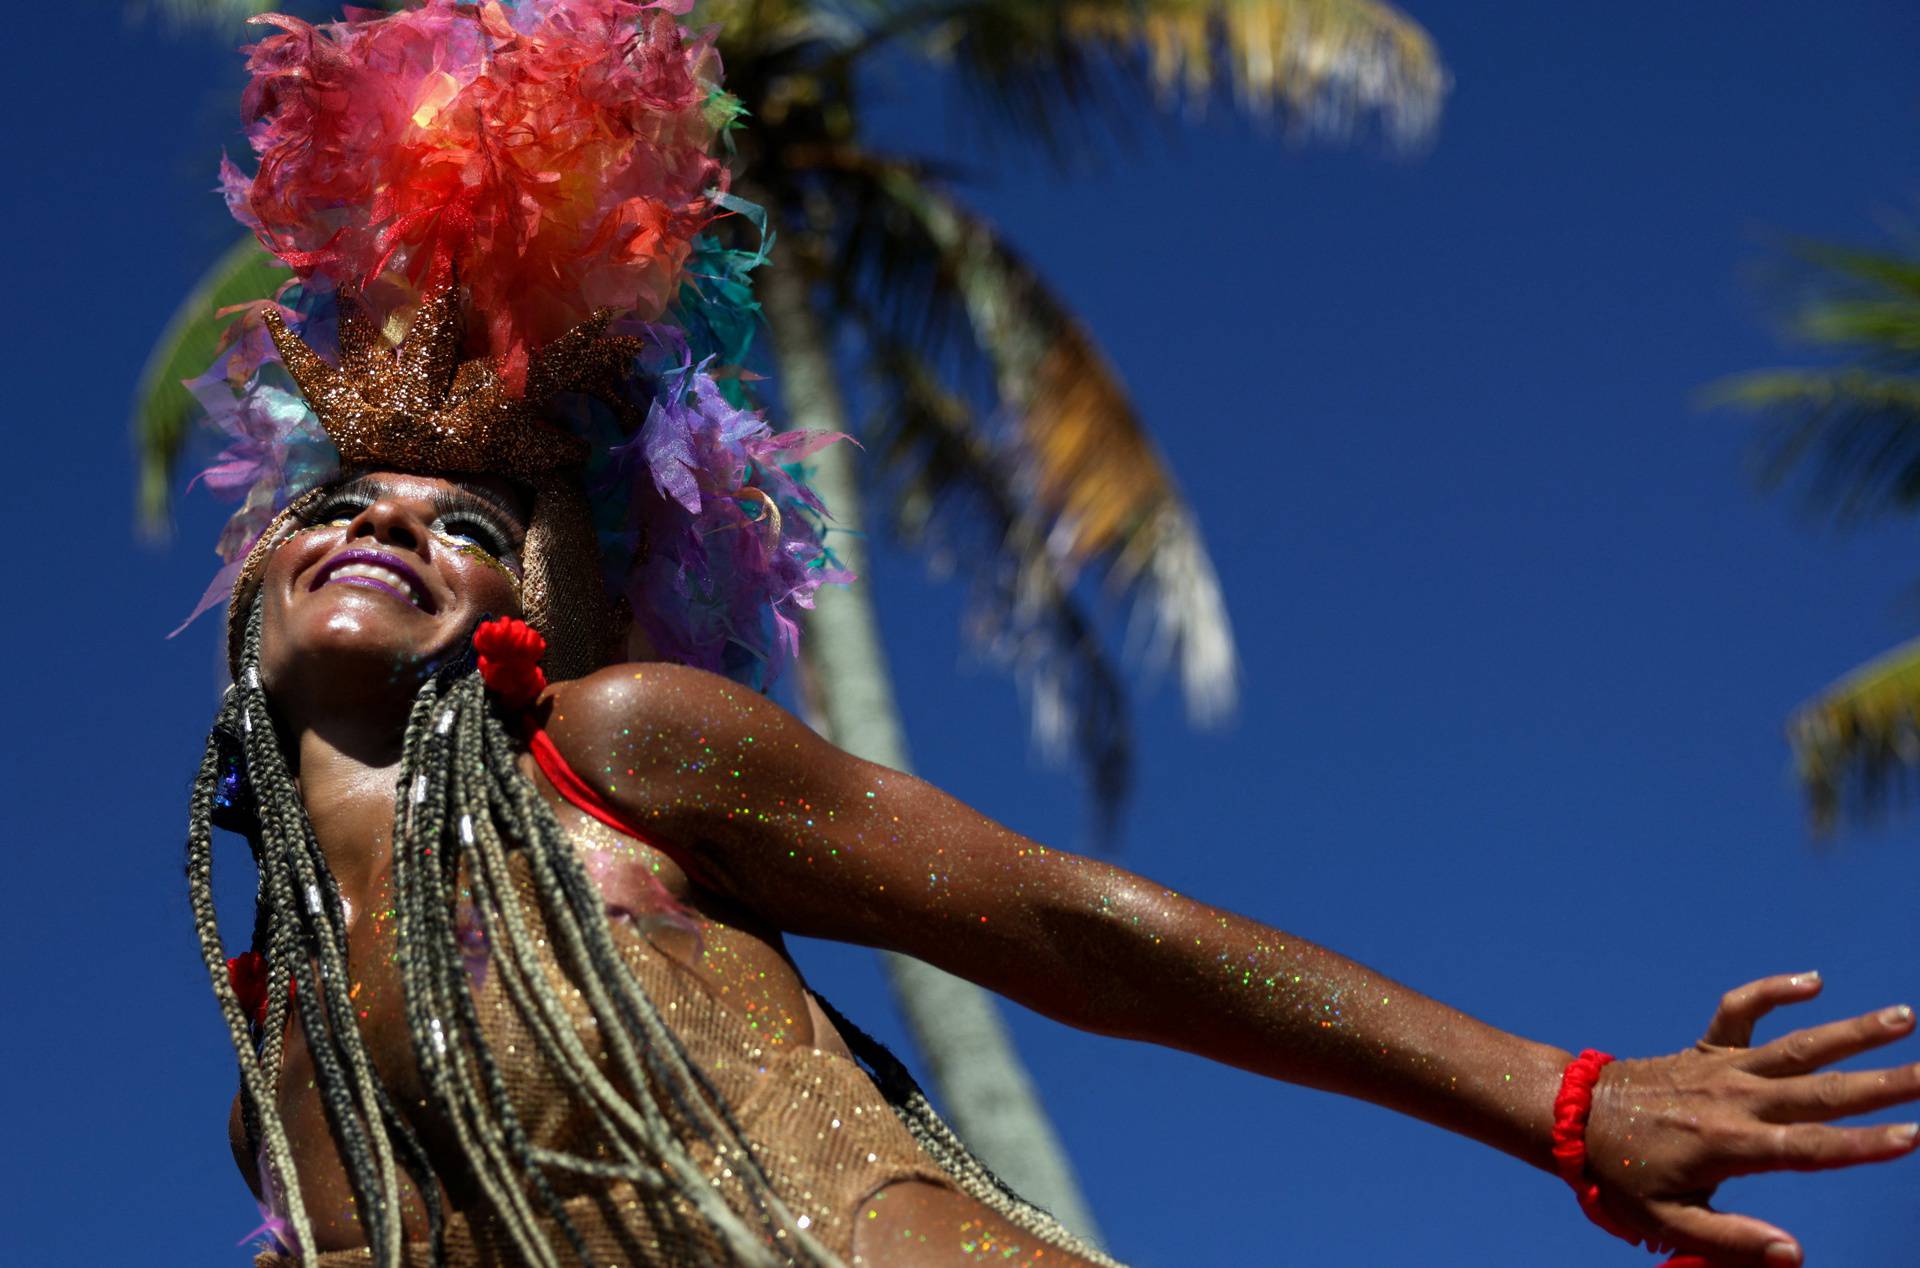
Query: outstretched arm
{"type": "Point", "coordinates": [825, 845]}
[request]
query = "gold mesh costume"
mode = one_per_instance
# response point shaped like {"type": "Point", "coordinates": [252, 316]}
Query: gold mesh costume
{"type": "Point", "coordinates": [839, 1139]}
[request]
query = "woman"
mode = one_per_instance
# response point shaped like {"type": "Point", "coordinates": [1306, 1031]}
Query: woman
{"type": "Point", "coordinates": [787, 834]}
{"type": "Point", "coordinates": [517, 992]}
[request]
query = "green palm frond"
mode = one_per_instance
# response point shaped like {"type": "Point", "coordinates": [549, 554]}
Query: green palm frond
{"type": "Point", "coordinates": [1857, 746]}
{"type": "Point", "coordinates": [1852, 431]}
{"type": "Point", "coordinates": [1879, 272]}
{"type": "Point", "coordinates": [953, 495]}
{"type": "Point", "coordinates": [1851, 434]}
{"type": "Point", "coordinates": [1863, 304]}
{"type": "Point", "coordinates": [163, 409]}
{"type": "Point", "coordinates": [1059, 72]}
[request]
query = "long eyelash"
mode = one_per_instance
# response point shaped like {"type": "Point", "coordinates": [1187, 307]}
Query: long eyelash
{"type": "Point", "coordinates": [344, 500]}
{"type": "Point", "coordinates": [452, 508]}
{"type": "Point", "coordinates": [448, 508]}
{"type": "Point", "coordinates": [489, 537]}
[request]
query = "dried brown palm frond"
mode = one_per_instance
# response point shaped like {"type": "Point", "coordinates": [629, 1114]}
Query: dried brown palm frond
{"type": "Point", "coordinates": [1084, 462]}
{"type": "Point", "coordinates": [1061, 72]}
{"type": "Point", "coordinates": [953, 496]}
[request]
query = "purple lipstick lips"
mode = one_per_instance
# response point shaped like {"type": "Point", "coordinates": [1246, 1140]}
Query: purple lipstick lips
{"type": "Point", "coordinates": [376, 570]}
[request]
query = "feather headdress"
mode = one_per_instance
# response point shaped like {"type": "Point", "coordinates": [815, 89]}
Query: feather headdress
{"type": "Point", "coordinates": [500, 218]}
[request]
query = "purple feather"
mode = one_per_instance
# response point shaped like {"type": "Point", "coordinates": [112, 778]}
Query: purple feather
{"type": "Point", "coordinates": [734, 546]}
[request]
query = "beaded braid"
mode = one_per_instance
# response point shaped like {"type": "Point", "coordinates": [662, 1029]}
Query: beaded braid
{"type": "Point", "coordinates": [257, 1080]}
{"type": "Point", "coordinates": [297, 875]}
{"type": "Point", "coordinates": [297, 934]}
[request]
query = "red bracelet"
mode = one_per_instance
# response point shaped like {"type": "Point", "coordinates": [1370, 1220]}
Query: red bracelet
{"type": "Point", "coordinates": [1570, 1110]}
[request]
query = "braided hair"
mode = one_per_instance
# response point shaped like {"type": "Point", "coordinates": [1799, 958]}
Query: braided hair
{"type": "Point", "coordinates": [462, 806]}
{"type": "Point", "coordinates": [462, 800]}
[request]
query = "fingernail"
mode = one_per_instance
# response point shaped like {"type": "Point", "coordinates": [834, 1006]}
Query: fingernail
{"type": "Point", "coordinates": [1807, 979]}
{"type": "Point", "coordinates": [1899, 1015]}
{"type": "Point", "coordinates": [1904, 1133]}
{"type": "Point", "coordinates": [1782, 1254]}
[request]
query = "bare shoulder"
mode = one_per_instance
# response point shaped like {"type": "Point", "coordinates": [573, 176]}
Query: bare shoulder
{"type": "Point", "coordinates": [613, 705]}
{"type": "Point", "coordinates": [671, 726]}
{"type": "Point", "coordinates": [697, 758]}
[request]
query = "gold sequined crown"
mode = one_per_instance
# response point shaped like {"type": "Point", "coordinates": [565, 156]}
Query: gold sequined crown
{"type": "Point", "coordinates": [419, 407]}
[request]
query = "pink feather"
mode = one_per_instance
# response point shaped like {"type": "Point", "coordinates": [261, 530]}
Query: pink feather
{"type": "Point", "coordinates": [553, 157]}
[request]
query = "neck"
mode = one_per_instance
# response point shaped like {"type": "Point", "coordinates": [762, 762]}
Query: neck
{"type": "Point", "coordinates": [350, 804]}
{"type": "Point", "coordinates": [346, 775]}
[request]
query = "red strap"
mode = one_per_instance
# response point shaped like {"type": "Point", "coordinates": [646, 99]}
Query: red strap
{"type": "Point", "coordinates": [546, 755]}
{"type": "Point", "coordinates": [567, 782]}
{"type": "Point", "coordinates": [1570, 1110]}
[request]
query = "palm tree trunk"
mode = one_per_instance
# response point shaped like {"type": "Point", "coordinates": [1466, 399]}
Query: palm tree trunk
{"type": "Point", "coordinates": [968, 1052]}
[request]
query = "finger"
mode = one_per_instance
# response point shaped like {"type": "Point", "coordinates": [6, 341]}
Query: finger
{"type": "Point", "coordinates": [1816, 1098]}
{"type": "Point", "coordinates": [1807, 1147]}
{"type": "Point", "coordinates": [1726, 1239]}
{"type": "Point", "coordinates": [1807, 1050]}
{"type": "Point", "coordinates": [1741, 1007]}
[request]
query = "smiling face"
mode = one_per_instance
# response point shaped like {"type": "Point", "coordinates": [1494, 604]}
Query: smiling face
{"type": "Point", "coordinates": [392, 573]}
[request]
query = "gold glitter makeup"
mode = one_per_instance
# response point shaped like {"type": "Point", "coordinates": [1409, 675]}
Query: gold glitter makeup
{"type": "Point", "coordinates": [479, 555]}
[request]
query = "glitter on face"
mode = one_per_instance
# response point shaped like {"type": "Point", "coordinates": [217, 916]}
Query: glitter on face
{"type": "Point", "coordinates": [469, 550]}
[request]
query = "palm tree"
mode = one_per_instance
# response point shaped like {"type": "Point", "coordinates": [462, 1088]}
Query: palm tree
{"type": "Point", "coordinates": [1850, 433]}
{"type": "Point", "coordinates": [887, 283]}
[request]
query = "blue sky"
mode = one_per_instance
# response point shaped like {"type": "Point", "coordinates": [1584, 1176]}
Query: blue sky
{"type": "Point", "coordinates": [1519, 631]}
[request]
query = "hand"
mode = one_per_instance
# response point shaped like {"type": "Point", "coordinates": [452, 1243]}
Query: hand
{"type": "Point", "coordinates": [1664, 1132]}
